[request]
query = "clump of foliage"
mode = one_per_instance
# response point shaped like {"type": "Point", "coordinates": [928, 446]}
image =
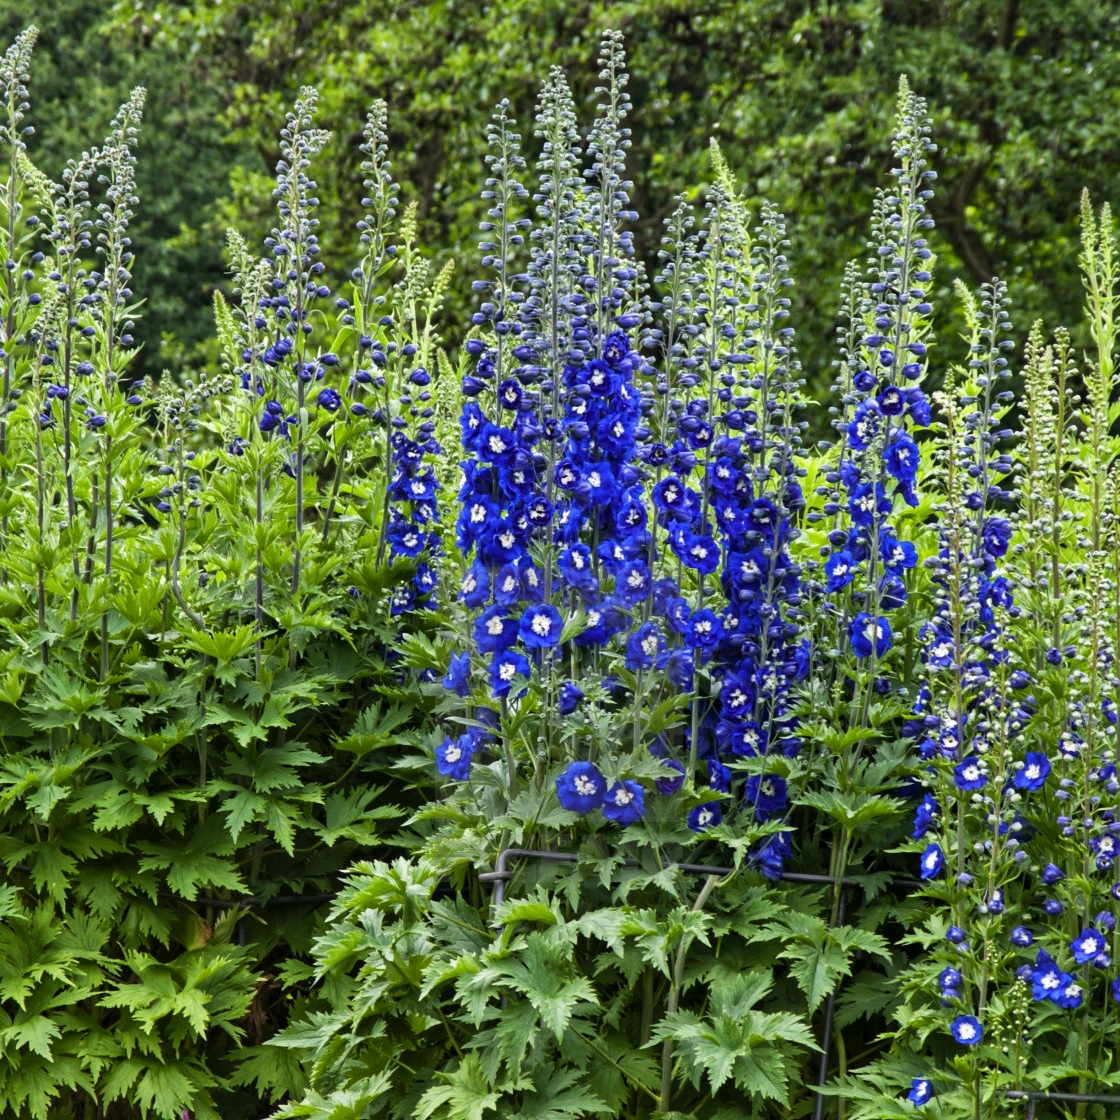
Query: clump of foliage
{"type": "Point", "coordinates": [198, 633]}
{"type": "Point", "coordinates": [732, 772]}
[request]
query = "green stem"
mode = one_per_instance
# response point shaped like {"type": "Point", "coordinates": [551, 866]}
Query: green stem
{"type": "Point", "coordinates": [675, 997]}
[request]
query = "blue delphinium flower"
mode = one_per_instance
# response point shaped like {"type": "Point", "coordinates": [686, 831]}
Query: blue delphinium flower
{"type": "Point", "coordinates": [869, 635]}
{"type": "Point", "coordinates": [453, 757]}
{"type": "Point", "coordinates": [570, 696]}
{"type": "Point", "coordinates": [1071, 995]}
{"type": "Point", "coordinates": [1021, 936]}
{"type": "Point", "coordinates": [932, 861]}
{"type": "Point", "coordinates": [1047, 979]}
{"type": "Point", "coordinates": [968, 775]}
{"type": "Point", "coordinates": [1033, 773]}
{"type": "Point", "coordinates": [705, 816]}
{"type": "Point", "coordinates": [457, 678]}
{"type": "Point", "coordinates": [950, 981]}
{"type": "Point", "coordinates": [1088, 945]}
{"type": "Point", "coordinates": [540, 627]}
{"type": "Point", "coordinates": [921, 1091]}
{"type": "Point", "coordinates": [967, 1030]}
{"type": "Point", "coordinates": [507, 669]}
{"type": "Point", "coordinates": [494, 630]}
{"type": "Point", "coordinates": [767, 795]}
{"type": "Point", "coordinates": [581, 788]}
{"type": "Point", "coordinates": [624, 803]}
{"type": "Point", "coordinates": [925, 817]}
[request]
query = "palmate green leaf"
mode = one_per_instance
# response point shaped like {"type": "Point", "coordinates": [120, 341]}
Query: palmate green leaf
{"type": "Point", "coordinates": [816, 968]}
{"type": "Point", "coordinates": [35, 1083]}
{"type": "Point", "coordinates": [352, 816]}
{"type": "Point", "coordinates": [223, 646]}
{"type": "Point", "coordinates": [854, 810]}
{"type": "Point", "coordinates": [866, 996]}
{"type": "Point", "coordinates": [201, 862]}
{"type": "Point", "coordinates": [31, 1032]}
{"type": "Point", "coordinates": [375, 728]}
{"type": "Point", "coordinates": [735, 1043]}
{"type": "Point", "coordinates": [272, 1071]}
{"type": "Point", "coordinates": [354, 1102]}
{"type": "Point", "coordinates": [819, 956]}
{"type": "Point", "coordinates": [541, 972]}
{"type": "Point", "coordinates": [274, 768]}
{"type": "Point", "coordinates": [557, 1095]}
{"type": "Point", "coordinates": [528, 910]}
{"type": "Point", "coordinates": [467, 1095]}
{"type": "Point", "coordinates": [10, 905]}
{"type": "Point", "coordinates": [657, 938]}
{"type": "Point", "coordinates": [162, 1088]}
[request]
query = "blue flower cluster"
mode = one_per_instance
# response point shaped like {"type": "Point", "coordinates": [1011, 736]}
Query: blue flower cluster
{"type": "Point", "coordinates": [971, 710]}
{"type": "Point", "coordinates": [642, 514]}
{"type": "Point", "coordinates": [878, 457]}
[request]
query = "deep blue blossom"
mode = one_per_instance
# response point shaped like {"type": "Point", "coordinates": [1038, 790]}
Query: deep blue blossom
{"type": "Point", "coordinates": [624, 803]}
{"type": "Point", "coordinates": [540, 627]}
{"type": "Point", "coordinates": [1033, 773]}
{"type": "Point", "coordinates": [869, 635]}
{"type": "Point", "coordinates": [1088, 945]}
{"type": "Point", "coordinates": [453, 757]}
{"type": "Point", "coordinates": [581, 788]}
{"type": "Point", "coordinates": [506, 669]}
{"type": "Point", "coordinates": [968, 775]}
{"type": "Point", "coordinates": [921, 1091]}
{"type": "Point", "coordinates": [457, 679]}
{"type": "Point", "coordinates": [967, 1030]}
{"type": "Point", "coordinates": [932, 861]}
{"type": "Point", "coordinates": [705, 816]}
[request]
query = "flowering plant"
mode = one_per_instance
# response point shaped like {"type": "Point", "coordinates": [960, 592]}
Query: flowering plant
{"type": "Point", "coordinates": [730, 767]}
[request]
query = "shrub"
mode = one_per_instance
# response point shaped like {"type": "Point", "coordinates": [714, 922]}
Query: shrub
{"type": "Point", "coordinates": [198, 633]}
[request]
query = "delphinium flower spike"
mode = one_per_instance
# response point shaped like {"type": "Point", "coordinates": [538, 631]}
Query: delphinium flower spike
{"type": "Point", "coordinates": [881, 461]}
{"type": "Point", "coordinates": [756, 495]}
{"type": "Point", "coordinates": [18, 299]}
{"type": "Point", "coordinates": [296, 286]}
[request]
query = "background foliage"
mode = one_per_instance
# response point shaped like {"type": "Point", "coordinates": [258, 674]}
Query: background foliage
{"type": "Point", "coordinates": [1025, 97]}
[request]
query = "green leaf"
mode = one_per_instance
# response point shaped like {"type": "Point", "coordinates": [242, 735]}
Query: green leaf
{"type": "Point", "coordinates": [467, 1095]}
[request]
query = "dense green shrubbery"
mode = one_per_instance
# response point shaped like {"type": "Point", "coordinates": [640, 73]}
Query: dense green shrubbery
{"type": "Point", "coordinates": [257, 627]}
{"type": "Point", "coordinates": [196, 660]}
